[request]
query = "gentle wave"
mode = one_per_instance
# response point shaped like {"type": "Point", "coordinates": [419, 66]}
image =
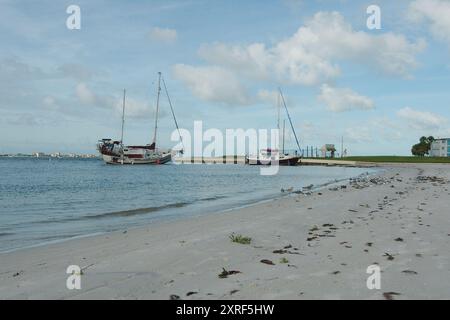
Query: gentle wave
{"type": "Point", "coordinates": [134, 212]}
{"type": "Point", "coordinates": [213, 198]}
{"type": "Point", "coordinates": [125, 213]}
{"type": "Point", "coordinates": [4, 234]}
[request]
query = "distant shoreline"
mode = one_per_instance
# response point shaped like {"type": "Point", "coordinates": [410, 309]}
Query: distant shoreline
{"type": "Point", "coordinates": [362, 160]}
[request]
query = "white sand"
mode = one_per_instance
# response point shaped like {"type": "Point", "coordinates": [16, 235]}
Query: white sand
{"type": "Point", "coordinates": [174, 258]}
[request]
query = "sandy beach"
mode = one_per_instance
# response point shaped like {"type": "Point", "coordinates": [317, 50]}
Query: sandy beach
{"type": "Point", "coordinates": [313, 246]}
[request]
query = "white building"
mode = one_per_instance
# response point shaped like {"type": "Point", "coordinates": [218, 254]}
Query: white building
{"type": "Point", "coordinates": [39, 154]}
{"type": "Point", "coordinates": [440, 148]}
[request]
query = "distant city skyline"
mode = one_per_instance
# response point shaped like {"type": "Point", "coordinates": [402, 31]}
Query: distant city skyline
{"type": "Point", "coordinates": [223, 62]}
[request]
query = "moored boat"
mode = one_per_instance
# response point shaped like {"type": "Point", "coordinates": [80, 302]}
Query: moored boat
{"type": "Point", "coordinates": [270, 157]}
{"type": "Point", "coordinates": [273, 156]}
{"type": "Point", "coordinates": [115, 152]}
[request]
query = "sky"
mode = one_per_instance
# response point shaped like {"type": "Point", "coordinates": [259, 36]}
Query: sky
{"type": "Point", "coordinates": [379, 89]}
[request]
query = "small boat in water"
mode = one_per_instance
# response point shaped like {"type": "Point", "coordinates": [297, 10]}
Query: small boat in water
{"type": "Point", "coordinates": [115, 152]}
{"type": "Point", "coordinates": [273, 156]}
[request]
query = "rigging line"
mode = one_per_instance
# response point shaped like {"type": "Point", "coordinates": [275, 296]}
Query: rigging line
{"type": "Point", "coordinates": [157, 109]}
{"type": "Point", "coordinates": [289, 117]}
{"type": "Point", "coordinates": [123, 124]}
{"type": "Point", "coordinates": [173, 113]}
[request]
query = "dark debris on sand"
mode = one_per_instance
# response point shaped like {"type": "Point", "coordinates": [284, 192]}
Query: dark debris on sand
{"type": "Point", "coordinates": [225, 273]}
{"type": "Point", "coordinates": [266, 261]}
{"type": "Point", "coordinates": [390, 295]}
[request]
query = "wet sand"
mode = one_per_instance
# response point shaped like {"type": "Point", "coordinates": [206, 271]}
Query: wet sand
{"type": "Point", "coordinates": [312, 246]}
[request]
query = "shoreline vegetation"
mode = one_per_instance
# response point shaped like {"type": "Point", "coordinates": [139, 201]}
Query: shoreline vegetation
{"type": "Point", "coordinates": [315, 245]}
{"type": "Point", "coordinates": [393, 159]}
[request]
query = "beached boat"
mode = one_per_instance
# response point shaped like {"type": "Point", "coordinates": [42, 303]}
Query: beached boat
{"type": "Point", "coordinates": [273, 156]}
{"type": "Point", "coordinates": [115, 152]}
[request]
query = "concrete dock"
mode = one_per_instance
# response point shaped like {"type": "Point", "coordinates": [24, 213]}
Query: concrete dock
{"type": "Point", "coordinates": [211, 160]}
{"type": "Point", "coordinates": [241, 160]}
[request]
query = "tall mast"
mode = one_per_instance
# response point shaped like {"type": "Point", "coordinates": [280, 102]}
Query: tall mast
{"type": "Point", "coordinates": [123, 116]}
{"type": "Point", "coordinates": [278, 111]}
{"type": "Point", "coordinates": [173, 113]}
{"type": "Point", "coordinates": [157, 108]}
{"type": "Point", "coordinates": [289, 117]}
{"type": "Point", "coordinates": [278, 116]}
{"type": "Point", "coordinates": [284, 124]}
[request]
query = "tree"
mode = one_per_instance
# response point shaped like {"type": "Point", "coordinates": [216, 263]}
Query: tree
{"type": "Point", "coordinates": [423, 147]}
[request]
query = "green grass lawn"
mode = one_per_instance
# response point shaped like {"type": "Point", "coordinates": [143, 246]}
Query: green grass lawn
{"type": "Point", "coordinates": [396, 159]}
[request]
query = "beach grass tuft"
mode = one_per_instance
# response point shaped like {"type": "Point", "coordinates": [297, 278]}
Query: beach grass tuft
{"type": "Point", "coordinates": [284, 260]}
{"type": "Point", "coordinates": [238, 238]}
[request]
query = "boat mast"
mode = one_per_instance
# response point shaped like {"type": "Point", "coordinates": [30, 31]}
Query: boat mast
{"type": "Point", "coordinates": [289, 117]}
{"type": "Point", "coordinates": [278, 111]}
{"type": "Point", "coordinates": [123, 123]}
{"type": "Point", "coordinates": [173, 113]}
{"type": "Point", "coordinates": [123, 116]}
{"type": "Point", "coordinates": [284, 125]}
{"type": "Point", "coordinates": [157, 108]}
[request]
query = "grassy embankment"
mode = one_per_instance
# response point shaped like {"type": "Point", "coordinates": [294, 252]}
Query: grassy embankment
{"type": "Point", "coordinates": [397, 159]}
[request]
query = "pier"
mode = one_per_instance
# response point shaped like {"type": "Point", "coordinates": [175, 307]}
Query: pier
{"type": "Point", "coordinates": [211, 160]}
{"type": "Point", "coordinates": [301, 162]}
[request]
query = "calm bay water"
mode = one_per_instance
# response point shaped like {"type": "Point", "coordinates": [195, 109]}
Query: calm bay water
{"type": "Point", "coordinates": [44, 200]}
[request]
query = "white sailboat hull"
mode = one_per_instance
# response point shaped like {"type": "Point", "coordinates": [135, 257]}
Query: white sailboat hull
{"type": "Point", "coordinates": [153, 159]}
{"type": "Point", "coordinates": [271, 157]}
{"type": "Point", "coordinates": [115, 152]}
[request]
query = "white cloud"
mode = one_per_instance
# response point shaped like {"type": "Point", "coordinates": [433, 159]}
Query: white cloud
{"type": "Point", "coordinates": [434, 12]}
{"type": "Point", "coordinates": [50, 103]}
{"type": "Point", "coordinates": [422, 120]}
{"type": "Point", "coordinates": [252, 61]}
{"type": "Point", "coordinates": [84, 94]}
{"type": "Point", "coordinates": [134, 108]}
{"type": "Point", "coordinates": [75, 71]}
{"type": "Point", "coordinates": [269, 96]}
{"type": "Point", "coordinates": [309, 56]}
{"type": "Point", "coordinates": [214, 84]}
{"type": "Point", "coordinates": [163, 34]}
{"type": "Point", "coordinates": [13, 69]}
{"type": "Point", "coordinates": [343, 99]}
{"type": "Point", "coordinates": [388, 129]}
{"type": "Point", "coordinates": [358, 135]}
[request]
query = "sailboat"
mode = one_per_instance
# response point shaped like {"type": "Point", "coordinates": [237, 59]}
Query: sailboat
{"type": "Point", "coordinates": [115, 152]}
{"type": "Point", "coordinates": [269, 156]}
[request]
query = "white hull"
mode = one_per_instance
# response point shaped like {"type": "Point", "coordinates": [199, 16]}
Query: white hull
{"type": "Point", "coordinates": [272, 157]}
{"type": "Point", "coordinates": [115, 152]}
{"type": "Point", "coordinates": [152, 159]}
